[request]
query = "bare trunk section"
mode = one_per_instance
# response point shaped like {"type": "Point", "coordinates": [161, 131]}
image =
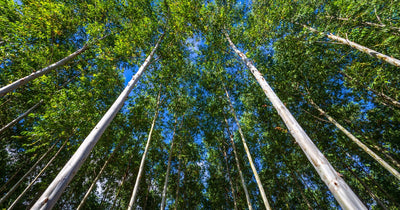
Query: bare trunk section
{"type": "Point", "coordinates": [246, 192]}
{"type": "Point", "coordinates": [19, 118]}
{"type": "Point", "coordinates": [229, 177]}
{"type": "Point", "coordinates": [56, 188]}
{"type": "Point", "coordinates": [341, 191]}
{"type": "Point", "coordinates": [139, 176]}
{"type": "Point", "coordinates": [384, 152]}
{"type": "Point", "coordinates": [98, 176]}
{"type": "Point", "coordinates": [26, 175]}
{"type": "Point", "coordinates": [38, 175]}
{"type": "Point", "coordinates": [6, 89]}
{"type": "Point", "coordinates": [253, 168]}
{"type": "Point", "coordinates": [164, 193]}
{"type": "Point", "coordinates": [383, 163]}
{"type": "Point", "coordinates": [373, 53]}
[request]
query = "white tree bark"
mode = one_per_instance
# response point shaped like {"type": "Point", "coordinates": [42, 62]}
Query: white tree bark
{"type": "Point", "coordinates": [26, 175]}
{"type": "Point", "coordinates": [38, 175]}
{"type": "Point", "coordinates": [246, 192]}
{"type": "Point", "coordinates": [6, 89]}
{"type": "Point", "coordinates": [376, 157]}
{"type": "Point", "coordinates": [253, 168]}
{"type": "Point", "coordinates": [340, 190]}
{"type": "Point", "coordinates": [373, 53]}
{"type": "Point", "coordinates": [139, 176]}
{"type": "Point", "coordinates": [56, 188]}
{"type": "Point", "coordinates": [19, 118]}
{"type": "Point", "coordinates": [164, 193]}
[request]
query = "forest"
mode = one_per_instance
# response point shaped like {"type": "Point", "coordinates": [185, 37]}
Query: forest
{"type": "Point", "coordinates": [199, 104]}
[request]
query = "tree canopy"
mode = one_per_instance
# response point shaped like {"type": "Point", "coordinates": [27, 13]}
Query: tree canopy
{"type": "Point", "coordinates": [190, 79]}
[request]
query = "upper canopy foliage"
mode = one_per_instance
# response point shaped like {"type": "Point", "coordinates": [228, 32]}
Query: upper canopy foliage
{"type": "Point", "coordinates": [191, 68]}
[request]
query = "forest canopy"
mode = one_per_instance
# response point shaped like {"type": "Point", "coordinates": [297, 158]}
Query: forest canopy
{"type": "Point", "coordinates": [189, 104]}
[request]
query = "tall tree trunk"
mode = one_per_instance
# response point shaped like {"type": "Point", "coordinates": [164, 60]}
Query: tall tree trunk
{"type": "Point", "coordinates": [19, 118]}
{"type": "Point", "coordinates": [384, 152]}
{"type": "Point", "coordinates": [26, 174]}
{"type": "Point", "coordinates": [139, 176]}
{"type": "Point", "coordinates": [253, 168]}
{"type": "Point", "coordinates": [56, 188]}
{"type": "Point", "coordinates": [229, 176]}
{"type": "Point", "coordinates": [98, 175]}
{"type": "Point", "coordinates": [178, 180]}
{"type": "Point", "coordinates": [342, 192]}
{"type": "Point", "coordinates": [366, 187]}
{"type": "Point", "coordinates": [383, 163]}
{"type": "Point", "coordinates": [246, 192]}
{"type": "Point", "coordinates": [23, 115]}
{"type": "Point", "coordinates": [40, 173]}
{"type": "Point", "coordinates": [6, 89]}
{"type": "Point", "coordinates": [168, 168]}
{"type": "Point", "coordinates": [373, 53]}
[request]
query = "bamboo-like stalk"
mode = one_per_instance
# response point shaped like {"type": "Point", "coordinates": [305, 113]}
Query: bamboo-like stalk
{"type": "Point", "coordinates": [26, 174]}
{"type": "Point", "coordinates": [373, 53]}
{"type": "Point", "coordinates": [39, 174]}
{"type": "Point", "coordinates": [98, 176]}
{"type": "Point", "coordinates": [246, 148]}
{"type": "Point", "coordinates": [246, 192]}
{"type": "Point", "coordinates": [56, 188]}
{"type": "Point", "coordinates": [20, 117]}
{"type": "Point", "coordinates": [140, 173]}
{"type": "Point", "coordinates": [371, 153]}
{"type": "Point", "coordinates": [340, 190]}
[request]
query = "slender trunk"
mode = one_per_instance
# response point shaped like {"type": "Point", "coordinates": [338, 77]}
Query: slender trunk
{"type": "Point", "coordinates": [383, 163]}
{"type": "Point", "coordinates": [168, 168]}
{"type": "Point", "coordinates": [19, 118]}
{"type": "Point", "coordinates": [11, 178]}
{"type": "Point", "coordinates": [366, 187]}
{"type": "Point", "coordinates": [26, 175]}
{"type": "Point", "coordinates": [98, 176]}
{"type": "Point", "coordinates": [238, 166]}
{"type": "Point", "coordinates": [384, 152]}
{"type": "Point", "coordinates": [6, 89]}
{"type": "Point", "coordinates": [373, 53]}
{"type": "Point", "coordinates": [38, 175]}
{"type": "Point", "coordinates": [178, 180]}
{"type": "Point", "coordinates": [253, 168]}
{"type": "Point", "coordinates": [229, 177]}
{"type": "Point", "coordinates": [56, 188]}
{"type": "Point", "coordinates": [385, 97]}
{"type": "Point", "coordinates": [139, 176]}
{"type": "Point", "coordinates": [341, 191]}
